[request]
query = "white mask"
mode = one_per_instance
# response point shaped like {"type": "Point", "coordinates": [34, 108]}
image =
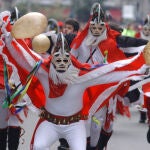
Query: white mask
{"type": "Point", "coordinates": [146, 30]}
{"type": "Point", "coordinates": [61, 62]}
{"type": "Point", "coordinates": [60, 56]}
{"type": "Point", "coordinates": [97, 29]}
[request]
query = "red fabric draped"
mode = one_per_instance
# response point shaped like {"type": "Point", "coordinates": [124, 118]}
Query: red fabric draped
{"type": "Point", "coordinates": [9, 68]}
{"type": "Point", "coordinates": [92, 93]}
{"type": "Point", "coordinates": [56, 90]}
{"type": "Point", "coordinates": [38, 98]}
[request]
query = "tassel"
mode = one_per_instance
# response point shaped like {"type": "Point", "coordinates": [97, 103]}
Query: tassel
{"type": "Point", "coordinates": [109, 118]}
{"type": "Point", "coordinates": [19, 118]}
{"type": "Point", "coordinates": [127, 111]}
{"type": "Point", "coordinates": [12, 110]}
{"type": "Point", "coordinates": [105, 56]}
{"type": "Point", "coordinates": [26, 109]}
{"type": "Point", "coordinates": [94, 119]}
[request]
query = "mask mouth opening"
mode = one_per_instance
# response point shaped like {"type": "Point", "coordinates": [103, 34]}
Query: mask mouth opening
{"type": "Point", "coordinates": [61, 62]}
{"type": "Point", "coordinates": [99, 23]}
{"type": "Point", "coordinates": [61, 71]}
{"type": "Point", "coordinates": [61, 68]}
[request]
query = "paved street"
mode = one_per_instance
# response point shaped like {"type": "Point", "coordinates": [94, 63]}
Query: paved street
{"type": "Point", "coordinates": [128, 133]}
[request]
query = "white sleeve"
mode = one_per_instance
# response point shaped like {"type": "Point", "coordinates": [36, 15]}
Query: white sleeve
{"type": "Point", "coordinates": [24, 59]}
{"type": "Point", "coordinates": [74, 53]}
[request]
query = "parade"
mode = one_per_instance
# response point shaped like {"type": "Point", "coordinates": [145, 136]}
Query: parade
{"type": "Point", "coordinates": [64, 84]}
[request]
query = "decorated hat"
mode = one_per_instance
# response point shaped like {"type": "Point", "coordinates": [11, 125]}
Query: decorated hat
{"type": "Point", "coordinates": [61, 44]}
{"type": "Point", "coordinates": [53, 25]}
{"type": "Point", "coordinates": [97, 13]}
{"type": "Point", "coordinates": [147, 20]}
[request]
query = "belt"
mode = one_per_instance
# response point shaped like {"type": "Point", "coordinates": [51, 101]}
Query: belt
{"type": "Point", "coordinates": [64, 120]}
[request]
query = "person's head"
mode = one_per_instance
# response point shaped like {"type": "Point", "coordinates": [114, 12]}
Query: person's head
{"type": "Point", "coordinates": [62, 70]}
{"type": "Point", "coordinates": [146, 26]}
{"type": "Point", "coordinates": [97, 24]}
{"type": "Point", "coordinates": [71, 26]}
{"type": "Point", "coordinates": [53, 25]}
{"type": "Point", "coordinates": [60, 55]}
{"type": "Point", "coordinates": [14, 15]}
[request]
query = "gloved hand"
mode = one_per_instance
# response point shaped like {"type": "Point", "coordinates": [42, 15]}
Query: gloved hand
{"type": "Point", "coordinates": [148, 135]}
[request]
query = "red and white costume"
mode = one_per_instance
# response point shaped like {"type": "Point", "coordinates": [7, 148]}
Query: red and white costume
{"type": "Point", "coordinates": [82, 48]}
{"type": "Point", "coordinates": [64, 107]}
{"type": "Point", "coordinates": [10, 129]}
{"type": "Point", "coordinates": [13, 77]}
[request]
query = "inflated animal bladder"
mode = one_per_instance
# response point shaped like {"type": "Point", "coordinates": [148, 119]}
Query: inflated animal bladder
{"type": "Point", "coordinates": [29, 25]}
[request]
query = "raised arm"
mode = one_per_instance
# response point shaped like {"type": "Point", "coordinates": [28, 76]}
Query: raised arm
{"type": "Point", "coordinates": [18, 49]}
{"type": "Point", "coordinates": [113, 72]}
{"type": "Point", "coordinates": [13, 37]}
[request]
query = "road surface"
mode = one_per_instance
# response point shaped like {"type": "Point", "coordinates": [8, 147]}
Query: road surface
{"type": "Point", "coordinates": [128, 133]}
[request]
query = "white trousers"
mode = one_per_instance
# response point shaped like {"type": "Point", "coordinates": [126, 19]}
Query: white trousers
{"type": "Point", "coordinates": [97, 123]}
{"type": "Point", "coordinates": [48, 133]}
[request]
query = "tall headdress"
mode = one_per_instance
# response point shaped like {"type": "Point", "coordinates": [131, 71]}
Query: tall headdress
{"type": "Point", "coordinates": [97, 13]}
{"type": "Point", "coordinates": [147, 21]}
{"type": "Point", "coordinates": [60, 55]}
{"type": "Point", "coordinates": [61, 45]}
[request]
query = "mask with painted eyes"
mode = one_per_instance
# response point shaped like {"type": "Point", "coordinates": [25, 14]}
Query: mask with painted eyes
{"type": "Point", "coordinates": [60, 56]}
{"type": "Point", "coordinates": [97, 24]}
{"type": "Point", "coordinates": [146, 30]}
{"type": "Point", "coordinates": [97, 28]}
{"type": "Point", "coordinates": [146, 27]}
{"type": "Point", "coordinates": [61, 62]}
